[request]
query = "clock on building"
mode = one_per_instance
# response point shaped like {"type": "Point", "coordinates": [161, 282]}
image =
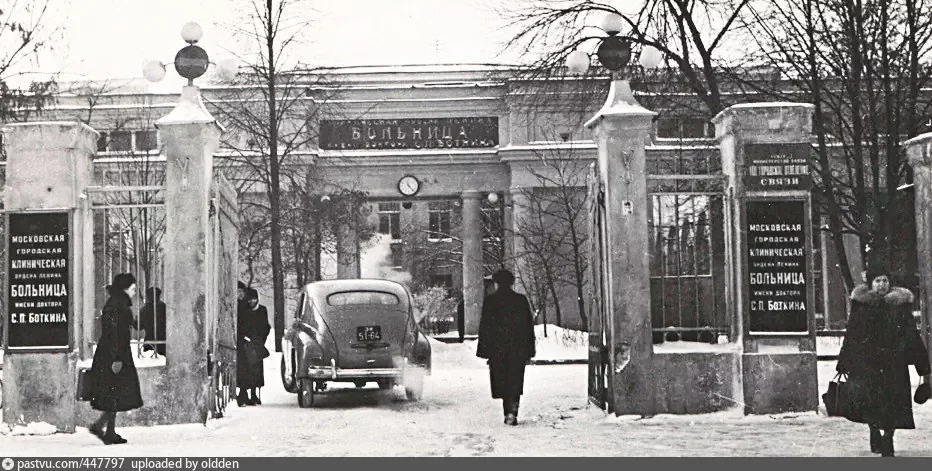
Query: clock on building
{"type": "Point", "coordinates": [408, 185]}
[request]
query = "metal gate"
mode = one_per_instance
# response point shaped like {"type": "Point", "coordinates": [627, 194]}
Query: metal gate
{"type": "Point", "coordinates": [598, 330]}
{"type": "Point", "coordinates": [222, 248]}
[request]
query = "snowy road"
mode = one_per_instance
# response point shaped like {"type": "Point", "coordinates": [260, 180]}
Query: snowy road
{"type": "Point", "coordinates": [458, 418]}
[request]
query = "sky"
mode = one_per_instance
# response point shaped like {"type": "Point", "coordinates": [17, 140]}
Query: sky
{"type": "Point", "coordinates": [113, 38]}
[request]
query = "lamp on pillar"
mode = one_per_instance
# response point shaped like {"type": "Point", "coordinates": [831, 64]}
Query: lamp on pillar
{"type": "Point", "coordinates": [191, 61]}
{"type": "Point", "coordinates": [613, 51]}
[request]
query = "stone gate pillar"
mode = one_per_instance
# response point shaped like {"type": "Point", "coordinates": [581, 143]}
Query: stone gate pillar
{"type": "Point", "coordinates": [190, 136]}
{"type": "Point", "coordinates": [766, 149]}
{"type": "Point", "coordinates": [622, 127]}
{"type": "Point", "coordinates": [919, 152]}
{"type": "Point", "coordinates": [49, 166]}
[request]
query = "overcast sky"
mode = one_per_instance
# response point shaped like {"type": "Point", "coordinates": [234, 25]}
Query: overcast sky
{"type": "Point", "coordinates": [113, 38]}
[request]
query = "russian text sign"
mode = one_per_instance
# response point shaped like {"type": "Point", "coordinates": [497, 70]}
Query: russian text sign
{"type": "Point", "coordinates": [38, 281]}
{"type": "Point", "coordinates": [777, 167]}
{"type": "Point", "coordinates": [429, 133]}
{"type": "Point", "coordinates": [777, 266]}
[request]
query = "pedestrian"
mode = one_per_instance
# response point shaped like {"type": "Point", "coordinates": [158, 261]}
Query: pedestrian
{"type": "Point", "coordinates": [152, 318]}
{"type": "Point", "coordinates": [114, 381]}
{"type": "Point", "coordinates": [461, 319]}
{"type": "Point", "coordinates": [253, 329]}
{"type": "Point", "coordinates": [881, 341]}
{"type": "Point", "coordinates": [506, 340]}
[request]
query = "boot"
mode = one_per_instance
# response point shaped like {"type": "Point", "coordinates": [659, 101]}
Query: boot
{"type": "Point", "coordinates": [242, 399]}
{"type": "Point", "coordinates": [876, 439]}
{"type": "Point", "coordinates": [886, 447]}
{"type": "Point", "coordinates": [255, 397]}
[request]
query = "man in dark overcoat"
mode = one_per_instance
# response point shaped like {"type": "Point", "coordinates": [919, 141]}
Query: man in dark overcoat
{"type": "Point", "coordinates": [506, 340]}
{"type": "Point", "coordinates": [881, 341]}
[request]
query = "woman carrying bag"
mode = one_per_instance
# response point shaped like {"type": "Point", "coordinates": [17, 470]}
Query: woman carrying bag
{"type": "Point", "coordinates": [880, 343]}
{"type": "Point", "coordinates": [254, 328]}
{"type": "Point", "coordinates": [114, 381]}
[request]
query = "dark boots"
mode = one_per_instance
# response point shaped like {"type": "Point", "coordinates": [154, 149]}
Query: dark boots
{"type": "Point", "coordinates": [255, 397]}
{"type": "Point", "coordinates": [510, 408]}
{"type": "Point", "coordinates": [882, 443]}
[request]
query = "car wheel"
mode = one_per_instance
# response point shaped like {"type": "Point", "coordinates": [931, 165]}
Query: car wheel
{"type": "Point", "coordinates": [414, 386]}
{"type": "Point", "coordinates": [288, 381]}
{"type": "Point", "coordinates": [305, 393]}
{"type": "Point", "coordinates": [385, 383]}
{"type": "Point", "coordinates": [360, 384]}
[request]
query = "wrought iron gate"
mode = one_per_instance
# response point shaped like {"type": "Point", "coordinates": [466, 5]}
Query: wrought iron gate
{"type": "Point", "coordinates": [221, 308]}
{"type": "Point", "coordinates": [598, 330]}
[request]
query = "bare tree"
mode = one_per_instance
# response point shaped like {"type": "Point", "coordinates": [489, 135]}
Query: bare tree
{"type": "Point", "coordinates": [859, 63]}
{"type": "Point", "coordinates": [25, 34]}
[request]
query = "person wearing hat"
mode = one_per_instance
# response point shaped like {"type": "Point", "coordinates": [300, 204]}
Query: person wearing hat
{"type": "Point", "coordinates": [152, 318]}
{"type": "Point", "coordinates": [253, 329]}
{"type": "Point", "coordinates": [881, 341]}
{"type": "Point", "coordinates": [114, 381]}
{"type": "Point", "coordinates": [506, 340]}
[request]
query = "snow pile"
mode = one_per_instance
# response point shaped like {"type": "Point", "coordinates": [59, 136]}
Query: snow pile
{"type": "Point", "coordinates": [454, 355]}
{"type": "Point", "coordinates": [560, 343]}
{"type": "Point", "coordinates": [35, 428]}
{"type": "Point", "coordinates": [695, 347]}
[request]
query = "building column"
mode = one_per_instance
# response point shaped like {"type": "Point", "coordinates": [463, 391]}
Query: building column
{"type": "Point", "coordinates": [516, 220]}
{"type": "Point", "coordinates": [919, 152]}
{"type": "Point", "coordinates": [766, 153]}
{"type": "Point", "coordinates": [473, 289]}
{"type": "Point", "coordinates": [49, 166]}
{"type": "Point", "coordinates": [347, 252]}
{"type": "Point", "coordinates": [190, 136]}
{"type": "Point", "coordinates": [621, 129]}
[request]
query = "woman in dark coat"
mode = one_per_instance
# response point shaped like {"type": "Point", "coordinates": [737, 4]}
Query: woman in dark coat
{"type": "Point", "coordinates": [253, 328]}
{"type": "Point", "coordinates": [114, 382]}
{"type": "Point", "coordinates": [880, 343]}
{"type": "Point", "coordinates": [506, 339]}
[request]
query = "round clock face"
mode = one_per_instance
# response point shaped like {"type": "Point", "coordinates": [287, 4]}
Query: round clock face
{"type": "Point", "coordinates": [408, 185]}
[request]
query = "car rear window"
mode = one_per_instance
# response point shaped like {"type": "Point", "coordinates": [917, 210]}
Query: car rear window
{"type": "Point", "coordinates": [355, 298]}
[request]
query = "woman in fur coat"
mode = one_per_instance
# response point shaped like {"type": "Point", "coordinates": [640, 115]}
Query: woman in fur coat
{"type": "Point", "coordinates": [880, 343]}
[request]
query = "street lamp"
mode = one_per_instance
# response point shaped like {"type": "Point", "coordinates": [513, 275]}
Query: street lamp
{"type": "Point", "coordinates": [614, 51]}
{"type": "Point", "coordinates": [191, 61]}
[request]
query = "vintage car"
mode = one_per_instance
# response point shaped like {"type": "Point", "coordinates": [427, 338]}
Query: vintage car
{"type": "Point", "coordinates": [354, 331]}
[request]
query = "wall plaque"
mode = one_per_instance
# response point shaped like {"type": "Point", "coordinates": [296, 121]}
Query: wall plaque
{"type": "Point", "coordinates": [38, 280]}
{"type": "Point", "coordinates": [777, 167]}
{"type": "Point", "coordinates": [778, 272]}
{"type": "Point", "coordinates": [428, 133]}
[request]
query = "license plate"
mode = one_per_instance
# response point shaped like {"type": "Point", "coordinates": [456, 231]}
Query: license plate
{"type": "Point", "coordinates": [369, 333]}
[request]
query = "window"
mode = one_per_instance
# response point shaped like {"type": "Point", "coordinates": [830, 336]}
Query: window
{"type": "Point", "coordinates": [146, 140]}
{"type": "Point", "coordinates": [682, 128]}
{"type": "Point", "coordinates": [390, 220]}
{"type": "Point", "coordinates": [120, 141]}
{"type": "Point", "coordinates": [443, 280]}
{"type": "Point", "coordinates": [493, 236]}
{"type": "Point", "coordinates": [127, 141]}
{"type": "Point", "coordinates": [439, 216]}
{"type": "Point", "coordinates": [398, 259]}
{"type": "Point", "coordinates": [355, 298]}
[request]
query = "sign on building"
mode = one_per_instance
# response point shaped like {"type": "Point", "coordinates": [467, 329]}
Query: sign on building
{"type": "Point", "coordinates": [426, 133]}
{"type": "Point", "coordinates": [777, 266]}
{"type": "Point", "coordinates": [38, 307]}
{"type": "Point", "coordinates": [774, 167]}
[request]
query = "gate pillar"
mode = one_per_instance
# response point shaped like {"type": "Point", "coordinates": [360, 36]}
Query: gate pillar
{"type": "Point", "coordinates": [49, 165]}
{"type": "Point", "coordinates": [766, 149]}
{"type": "Point", "coordinates": [190, 136]}
{"type": "Point", "coordinates": [621, 128]}
{"type": "Point", "coordinates": [919, 152]}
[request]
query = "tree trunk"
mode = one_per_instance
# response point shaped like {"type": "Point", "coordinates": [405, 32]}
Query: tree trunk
{"type": "Point", "coordinates": [278, 277]}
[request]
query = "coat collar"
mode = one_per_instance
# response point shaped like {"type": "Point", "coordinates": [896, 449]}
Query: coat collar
{"type": "Point", "coordinates": [896, 297]}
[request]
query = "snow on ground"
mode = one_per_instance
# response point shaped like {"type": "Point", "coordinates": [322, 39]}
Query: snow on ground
{"type": "Point", "coordinates": [457, 417]}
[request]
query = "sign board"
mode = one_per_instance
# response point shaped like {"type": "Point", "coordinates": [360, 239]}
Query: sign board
{"type": "Point", "coordinates": [778, 273]}
{"type": "Point", "coordinates": [38, 281]}
{"type": "Point", "coordinates": [429, 133]}
{"type": "Point", "coordinates": [773, 167]}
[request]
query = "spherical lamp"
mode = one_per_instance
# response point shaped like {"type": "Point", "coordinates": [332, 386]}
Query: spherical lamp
{"type": "Point", "coordinates": [611, 23]}
{"type": "Point", "coordinates": [192, 32]}
{"type": "Point", "coordinates": [493, 198]}
{"type": "Point", "coordinates": [153, 71]}
{"type": "Point", "coordinates": [650, 57]}
{"type": "Point", "coordinates": [227, 68]}
{"type": "Point", "coordinates": [577, 62]}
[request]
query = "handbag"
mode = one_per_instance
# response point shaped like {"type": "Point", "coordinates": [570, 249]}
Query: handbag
{"type": "Point", "coordinates": [835, 396]}
{"type": "Point", "coordinates": [84, 390]}
{"type": "Point", "coordinates": [255, 352]}
{"type": "Point", "coordinates": [849, 398]}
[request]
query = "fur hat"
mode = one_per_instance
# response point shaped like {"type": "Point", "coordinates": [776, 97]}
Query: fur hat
{"type": "Point", "coordinates": [121, 282]}
{"type": "Point", "coordinates": [504, 278]}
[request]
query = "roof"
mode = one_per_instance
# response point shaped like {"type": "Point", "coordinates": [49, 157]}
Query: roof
{"type": "Point", "coordinates": [324, 288]}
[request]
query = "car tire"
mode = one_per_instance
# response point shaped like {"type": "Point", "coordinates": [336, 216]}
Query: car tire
{"type": "Point", "coordinates": [385, 383]}
{"type": "Point", "coordinates": [305, 393]}
{"type": "Point", "coordinates": [288, 381]}
{"type": "Point", "coordinates": [360, 384]}
{"type": "Point", "coordinates": [414, 386]}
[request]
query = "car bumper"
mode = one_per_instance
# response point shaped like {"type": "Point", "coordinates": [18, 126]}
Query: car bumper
{"type": "Point", "coordinates": [333, 373]}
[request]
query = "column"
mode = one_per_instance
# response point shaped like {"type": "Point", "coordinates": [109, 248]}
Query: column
{"type": "Point", "coordinates": [517, 222]}
{"type": "Point", "coordinates": [621, 129]}
{"type": "Point", "coordinates": [49, 166]}
{"type": "Point", "coordinates": [473, 292]}
{"type": "Point", "coordinates": [766, 154]}
{"type": "Point", "coordinates": [919, 152]}
{"type": "Point", "coordinates": [190, 135]}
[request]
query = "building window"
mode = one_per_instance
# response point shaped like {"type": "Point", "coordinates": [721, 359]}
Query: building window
{"type": "Point", "coordinates": [493, 236]}
{"type": "Point", "coordinates": [683, 128]}
{"type": "Point", "coordinates": [444, 281]}
{"type": "Point", "coordinates": [390, 220]}
{"type": "Point", "coordinates": [128, 141]}
{"type": "Point", "coordinates": [439, 216]}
